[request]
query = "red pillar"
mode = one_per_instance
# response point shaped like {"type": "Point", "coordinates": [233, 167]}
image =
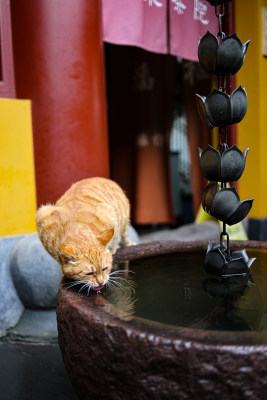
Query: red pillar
{"type": "Point", "coordinates": [58, 55]}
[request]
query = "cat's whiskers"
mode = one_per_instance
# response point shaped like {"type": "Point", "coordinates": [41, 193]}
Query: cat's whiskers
{"type": "Point", "coordinates": [119, 281]}
{"type": "Point", "coordinates": [109, 285]}
{"type": "Point", "coordinates": [81, 289]}
{"type": "Point", "coordinates": [85, 284]}
{"type": "Point", "coordinates": [120, 278]}
{"type": "Point", "coordinates": [71, 284]}
{"type": "Point", "coordinates": [117, 276]}
{"type": "Point", "coordinates": [121, 272]}
{"type": "Point", "coordinates": [122, 284]}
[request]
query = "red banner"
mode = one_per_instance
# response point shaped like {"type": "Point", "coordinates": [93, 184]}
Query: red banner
{"type": "Point", "coordinates": [161, 26]}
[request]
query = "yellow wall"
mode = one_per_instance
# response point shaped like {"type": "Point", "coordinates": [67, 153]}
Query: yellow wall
{"type": "Point", "coordinates": [17, 183]}
{"type": "Point", "coordinates": [252, 131]}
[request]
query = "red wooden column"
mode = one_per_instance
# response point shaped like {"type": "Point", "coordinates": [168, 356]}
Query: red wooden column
{"type": "Point", "coordinates": [58, 54]}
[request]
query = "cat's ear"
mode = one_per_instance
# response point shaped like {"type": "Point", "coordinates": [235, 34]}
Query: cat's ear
{"type": "Point", "coordinates": [105, 237]}
{"type": "Point", "coordinates": [67, 253]}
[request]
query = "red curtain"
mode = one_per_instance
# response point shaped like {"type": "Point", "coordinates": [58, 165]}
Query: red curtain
{"type": "Point", "coordinates": [141, 90]}
{"type": "Point", "coordinates": [162, 26]}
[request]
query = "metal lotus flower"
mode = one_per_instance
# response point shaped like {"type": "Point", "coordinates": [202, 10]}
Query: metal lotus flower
{"type": "Point", "coordinates": [218, 263]}
{"type": "Point", "coordinates": [225, 167]}
{"type": "Point", "coordinates": [224, 58]}
{"type": "Point", "coordinates": [224, 204]}
{"type": "Point", "coordinates": [220, 109]}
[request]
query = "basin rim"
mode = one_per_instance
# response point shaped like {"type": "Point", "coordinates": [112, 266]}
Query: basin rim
{"type": "Point", "coordinates": [96, 308]}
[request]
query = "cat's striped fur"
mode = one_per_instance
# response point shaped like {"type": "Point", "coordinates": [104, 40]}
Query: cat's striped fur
{"type": "Point", "coordinates": [84, 228]}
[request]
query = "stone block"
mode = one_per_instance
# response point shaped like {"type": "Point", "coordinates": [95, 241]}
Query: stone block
{"type": "Point", "coordinates": [11, 307]}
{"type": "Point", "coordinates": [36, 275]}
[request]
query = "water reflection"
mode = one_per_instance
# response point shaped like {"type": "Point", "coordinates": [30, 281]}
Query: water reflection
{"type": "Point", "coordinates": [121, 292]}
{"type": "Point", "coordinates": [175, 289]}
{"type": "Point", "coordinates": [230, 290]}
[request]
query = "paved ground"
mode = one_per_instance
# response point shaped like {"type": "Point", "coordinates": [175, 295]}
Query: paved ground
{"type": "Point", "coordinates": [31, 367]}
{"type": "Point", "coordinates": [33, 372]}
{"type": "Point", "coordinates": [208, 230]}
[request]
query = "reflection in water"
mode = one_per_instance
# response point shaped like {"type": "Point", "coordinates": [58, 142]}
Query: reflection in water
{"type": "Point", "coordinates": [121, 291]}
{"type": "Point", "coordinates": [230, 290]}
{"type": "Point", "coordinates": [169, 289]}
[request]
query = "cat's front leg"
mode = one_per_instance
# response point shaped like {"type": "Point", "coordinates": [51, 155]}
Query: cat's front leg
{"type": "Point", "coordinates": [125, 240]}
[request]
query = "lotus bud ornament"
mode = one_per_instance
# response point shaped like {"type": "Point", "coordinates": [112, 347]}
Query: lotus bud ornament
{"type": "Point", "coordinates": [220, 109]}
{"type": "Point", "coordinates": [225, 167]}
{"type": "Point", "coordinates": [221, 58]}
{"type": "Point", "coordinates": [224, 204]}
{"type": "Point", "coordinates": [218, 263]}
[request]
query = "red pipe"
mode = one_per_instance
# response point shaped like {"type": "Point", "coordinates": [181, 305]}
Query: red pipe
{"type": "Point", "coordinates": [58, 55]}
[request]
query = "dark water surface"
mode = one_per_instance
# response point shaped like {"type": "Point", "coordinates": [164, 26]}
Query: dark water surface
{"type": "Point", "coordinates": [175, 289]}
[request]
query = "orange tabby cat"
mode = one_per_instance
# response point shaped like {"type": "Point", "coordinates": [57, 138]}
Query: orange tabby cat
{"type": "Point", "coordinates": [84, 228]}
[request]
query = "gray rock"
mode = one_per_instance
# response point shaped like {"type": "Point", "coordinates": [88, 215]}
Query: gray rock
{"type": "Point", "coordinates": [36, 275]}
{"type": "Point", "coordinates": [36, 326]}
{"type": "Point", "coordinates": [11, 307]}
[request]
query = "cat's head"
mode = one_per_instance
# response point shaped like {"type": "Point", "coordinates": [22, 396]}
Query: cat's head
{"type": "Point", "coordinates": [88, 263]}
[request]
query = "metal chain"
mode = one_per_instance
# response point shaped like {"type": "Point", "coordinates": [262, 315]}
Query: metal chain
{"type": "Point", "coordinates": [219, 11]}
{"type": "Point", "coordinates": [219, 15]}
{"type": "Point", "coordinates": [227, 244]}
{"type": "Point", "coordinates": [217, 6]}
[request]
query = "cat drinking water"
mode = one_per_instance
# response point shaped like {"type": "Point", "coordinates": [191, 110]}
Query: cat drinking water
{"type": "Point", "coordinates": [84, 228]}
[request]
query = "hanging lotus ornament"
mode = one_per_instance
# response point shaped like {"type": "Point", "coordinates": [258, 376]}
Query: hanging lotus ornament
{"type": "Point", "coordinates": [220, 109]}
{"type": "Point", "coordinates": [221, 58]}
{"type": "Point", "coordinates": [224, 204]}
{"type": "Point", "coordinates": [225, 167]}
{"type": "Point", "coordinates": [218, 262]}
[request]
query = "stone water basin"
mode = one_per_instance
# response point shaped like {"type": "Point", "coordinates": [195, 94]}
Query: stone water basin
{"type": "Point", "coordinates": [172, 331]}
